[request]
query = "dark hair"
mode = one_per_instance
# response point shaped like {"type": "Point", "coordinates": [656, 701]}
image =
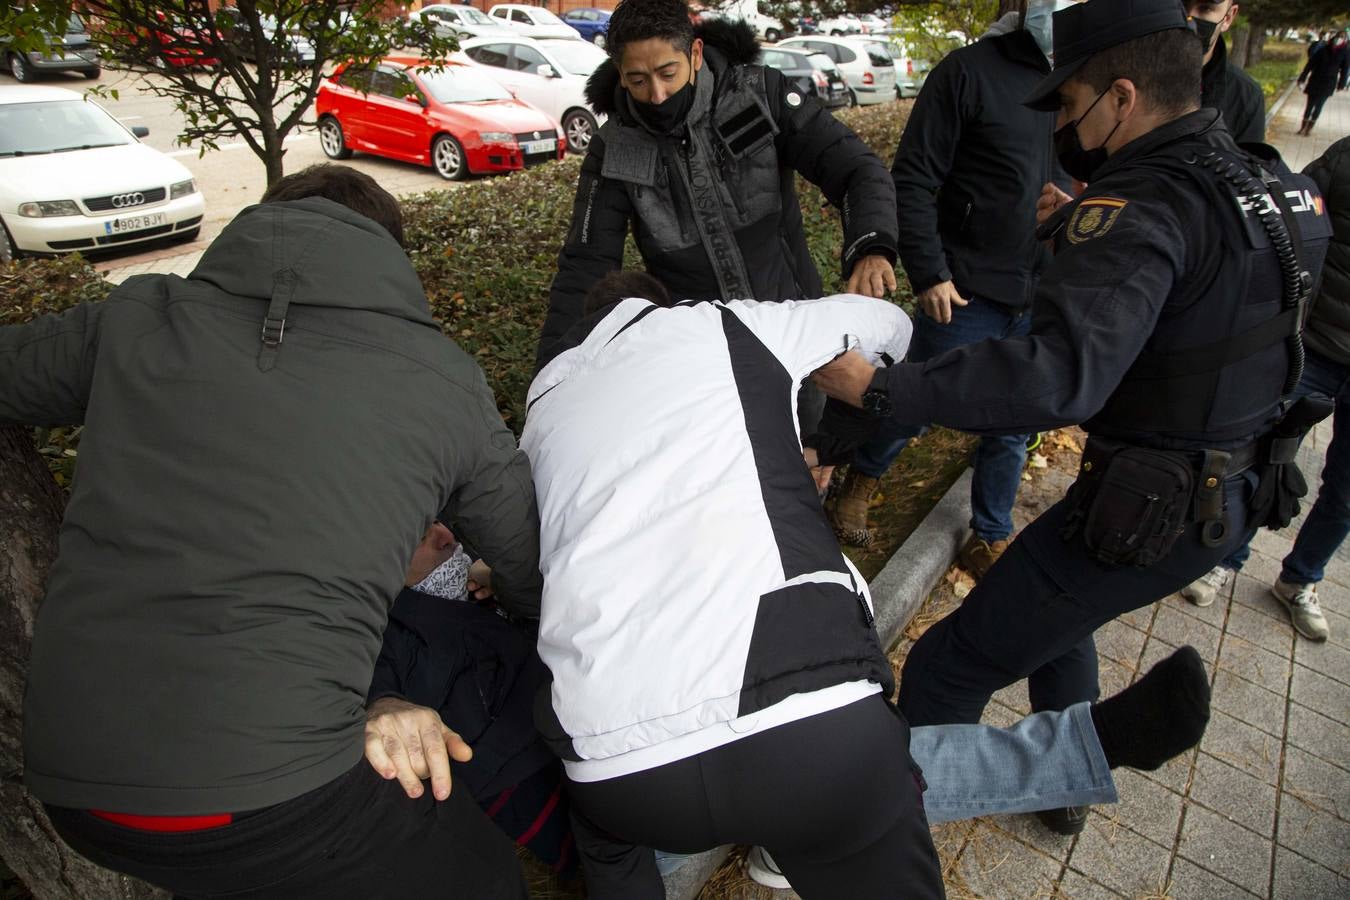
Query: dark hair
{"type": "Point", "coordinates": [618, 286]}
{"type": "Point", "coordinates": [638, 20]}
{"type": "Point", "coordinates": [1164, 67]}
{"type": "Point", "coordinates": [355, 190]}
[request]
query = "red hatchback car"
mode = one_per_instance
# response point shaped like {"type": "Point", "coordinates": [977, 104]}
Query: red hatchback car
{"type": "Point", "coordinates": [456, 120]}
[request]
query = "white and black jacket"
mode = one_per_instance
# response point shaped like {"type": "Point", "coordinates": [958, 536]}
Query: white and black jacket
{"type": "Point", "coordinates": [690, 576]}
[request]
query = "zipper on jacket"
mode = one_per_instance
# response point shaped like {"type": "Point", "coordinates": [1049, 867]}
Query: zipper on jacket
{"type": "Point", "coordinates": [867, 610]}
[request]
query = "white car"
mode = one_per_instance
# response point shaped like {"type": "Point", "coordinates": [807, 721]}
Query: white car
{"type": "Point", "coordinates": [549, 73]}
{"type": "Point", "coordinates": [532, 21]}
{"type": "Point", "coordinates": [459, 21]}
{"type": "Point", "coordinates": [767, 28]}
{"type": "Point", "coordinates": [866, 65]}
{"type": "Point", "coordinates": [839, 25]}
{"type": "Point", "coordinates": [74, 178]}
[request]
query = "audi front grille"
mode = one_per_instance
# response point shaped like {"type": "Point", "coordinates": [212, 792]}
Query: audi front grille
{"type": "Point", "coordinates": [125, 200]}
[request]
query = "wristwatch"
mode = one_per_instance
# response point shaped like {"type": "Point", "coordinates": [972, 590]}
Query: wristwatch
{"type": "Point", "coordinates": [877, 399]}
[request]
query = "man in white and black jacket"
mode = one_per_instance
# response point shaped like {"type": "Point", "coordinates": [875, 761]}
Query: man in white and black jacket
{"type": "Point", "coordinates": [716, 676]}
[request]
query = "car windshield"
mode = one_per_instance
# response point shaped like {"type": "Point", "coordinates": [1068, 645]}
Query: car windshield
{"type": "Point", "coordinates": [55, 126]}
{"type": "Point", "coordinates": [544, 17]}
{"type": "Point", "coordinates": [576, 57]}
{"type": "Point", "coordinates": [473, 16]}
{"type": "Point", "coordinates": [890, 51]}
{"type": "Point", "coordinates": [457, 84]}
{"type": "Point", "coordinates": [74, 25]}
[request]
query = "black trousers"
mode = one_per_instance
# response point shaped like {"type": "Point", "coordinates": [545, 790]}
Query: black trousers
{"type": "Point", "coordinates": [1033, 617]}
{"type": "Point", "coordinates": [357, 837]}
{"type": "Point", "coordinates": [834, 797]}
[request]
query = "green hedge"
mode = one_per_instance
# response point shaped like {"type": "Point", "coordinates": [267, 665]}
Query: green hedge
{"type": "Point", "coordinates": [486, 254]}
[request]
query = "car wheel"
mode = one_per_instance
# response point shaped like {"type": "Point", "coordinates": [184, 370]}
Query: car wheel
{"type": "Point", "coordinates": [8, 252]}
{"type": "Point", "coordinates": [92, 74]}
{"type": "Point", "coordinates": [852, 98]}
{"type": "Point", "coordinates": [772, 35]}
{"type": "Point", "coordinates": [837, 33]}
{"type": "Point", "coordinates": [447, 158]}
{"type": "Point", "coordinates": [579, 126]}
{"type": "Point", "coordinates": [18, 67]}
{"type": "Point", "coordinates": [598, 39]}
{"type": "Point", "coordinates": [331, 140]}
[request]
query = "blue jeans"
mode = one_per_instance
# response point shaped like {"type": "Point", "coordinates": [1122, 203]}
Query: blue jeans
{"type": "Point", "coordinates": [1046, 761]}
{"type": "Point", "coordinates": [1328, 521]}
{"type": "Point", "coordinates": [998, 460]}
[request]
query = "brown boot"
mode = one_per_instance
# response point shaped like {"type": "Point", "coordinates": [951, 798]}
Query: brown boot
{"type": "Point", "coordinates": [848, 510]}
{"type": "Point", "coordinates": [978, 556]}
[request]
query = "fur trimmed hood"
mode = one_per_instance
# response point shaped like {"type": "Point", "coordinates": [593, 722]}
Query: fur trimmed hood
{"type": "Point", "coordinates": [733, 44]}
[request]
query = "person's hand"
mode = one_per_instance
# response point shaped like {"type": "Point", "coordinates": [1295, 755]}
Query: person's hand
{"type": "Point", "coordinates": [1050, 201]}
{"type": "Point", "coordinates": [873, 276]}
{"type": "Point", "coordinates": [846, 378]}
{"type": "Point", "coordinates": [480, 580]}
{"type": "Point", "coordinates": [820, 474]}
{"type": "Point", "coordinates": [938, 300]}
{"type": "Point", "coordinates": [411, 743]}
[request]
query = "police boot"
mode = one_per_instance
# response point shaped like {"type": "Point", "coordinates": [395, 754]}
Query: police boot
{"type": "Point", "coordinates": [978, 556]}
{"type": "Point", "coordinates": [848, 510]}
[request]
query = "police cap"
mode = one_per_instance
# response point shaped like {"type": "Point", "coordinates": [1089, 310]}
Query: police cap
{"type": "Point", "coordinates": [1088, 28]}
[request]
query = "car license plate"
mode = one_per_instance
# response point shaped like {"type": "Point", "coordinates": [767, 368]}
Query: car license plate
{"type": "Point", "coordinates": [133, 223]}
{"type": "Point", "coordinates": [539, 146]}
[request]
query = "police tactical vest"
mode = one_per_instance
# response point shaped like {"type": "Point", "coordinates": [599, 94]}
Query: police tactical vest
{"type": "Point", "coordinates": [1217, 366]}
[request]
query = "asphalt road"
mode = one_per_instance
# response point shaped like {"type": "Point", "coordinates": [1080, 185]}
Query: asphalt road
{"type": "Point", "coordinates": [230, 177]}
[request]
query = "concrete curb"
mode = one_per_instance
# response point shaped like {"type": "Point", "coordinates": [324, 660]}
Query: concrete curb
{"type": "Point", "coordinates": [897, 593]}
{"type": "Point", "coordinates": [901, 587]}
{"type": "Point", "coordinates": [1279, 104]}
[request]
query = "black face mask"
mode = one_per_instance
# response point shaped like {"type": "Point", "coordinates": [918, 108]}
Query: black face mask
{"type": "Point", "coordinates": [1078, 162]}
{"type": "Point", "coordinates": [1204, 30]}
{"type": "Point", "coordinates": [670, 113]}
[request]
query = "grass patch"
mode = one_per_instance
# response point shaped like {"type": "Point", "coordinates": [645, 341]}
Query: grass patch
{"type": "Point", "coordinates": [1279, 65]}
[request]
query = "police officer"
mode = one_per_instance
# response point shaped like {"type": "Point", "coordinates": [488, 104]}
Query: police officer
{"type": "Point", "coordinates": [1166, 323]}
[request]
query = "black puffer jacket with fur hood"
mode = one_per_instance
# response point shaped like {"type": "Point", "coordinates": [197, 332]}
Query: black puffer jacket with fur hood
{"type": "Point", "coordinates": [712, 204]}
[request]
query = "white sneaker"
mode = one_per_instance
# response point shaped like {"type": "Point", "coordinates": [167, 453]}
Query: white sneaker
{"type": "Point", "coordinates": [761, 868]}
{"type": "Point", "coordinates": [1304, 611]}
{"type": "Point", "coordinates": [1204, 589]}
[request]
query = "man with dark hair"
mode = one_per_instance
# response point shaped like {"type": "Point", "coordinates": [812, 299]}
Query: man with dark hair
{"type": "Point", "coordinates": [967, 173]}
{"type": "Point", "coordinates": [256, 469]}
{"type": "Point", "coordinates": [1166, 324]}
{"type": "Point", "coordinates": [698, 158]}
{"type": "Point", "coordinates": [618, 286]}
{"type": "Point", "coordinates": [1224, 86]}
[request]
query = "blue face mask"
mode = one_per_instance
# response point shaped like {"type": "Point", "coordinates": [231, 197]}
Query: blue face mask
{"type": "Point", "coordinates": [1040, 23]}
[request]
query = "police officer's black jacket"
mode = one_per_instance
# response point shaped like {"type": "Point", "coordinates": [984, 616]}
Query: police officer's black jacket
{"type": "Point", "coordinates": [1236, 94]}
{"type": "Point", "coordinates": [1156, 257]}
{"type": "Point", "coordinates": [969, 169]}
{"type": "Point", "coordinates": [712, 206]}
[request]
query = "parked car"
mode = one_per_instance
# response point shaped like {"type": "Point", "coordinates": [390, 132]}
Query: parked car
{"type": "Point", "coordinates": [460, 21]}
{"type": "Point", "coordinates": [72, 51]}
{"type": "Point", "coordinates": [867, 68]}
{"type": "Point", "coordinates": [807, 25]}
{"type": "Point", "coordinates": [532, 21]}
{"type": "Point", "coordinates": [289, 45]}
{"type": "Point", "coordinates": [455, 118]}
{"type": "Point", "coordinates": [873, 24]}
{"type": "Point", "coordinates": [839, 25]}
{"type": "Point", "coordinates": [814, 74]}
{"type": "Point", "coordinates": [175, 44]}
{"type": "Point", "coordinates": [74, 178]}
{"type": "Point", "coordinates": [767, 28]}
{"type": "Point", "coordinates": [549, 73]}
{"type": "Point", "coordinates": [591, 24]}
{"type": "Point", "coordinates": [909, 72]}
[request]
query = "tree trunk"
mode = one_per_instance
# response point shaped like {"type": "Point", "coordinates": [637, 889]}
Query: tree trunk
{"type": "Point", "coordinates": [1238, 37]}
{"type": "Point", "coordinates": [30, 516]}
{"type": "Point", "coordinates": [1256, 47]}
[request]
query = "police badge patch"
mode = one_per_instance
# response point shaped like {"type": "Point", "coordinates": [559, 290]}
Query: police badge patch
{"type": "Point", "coordinates": [1094, 218]}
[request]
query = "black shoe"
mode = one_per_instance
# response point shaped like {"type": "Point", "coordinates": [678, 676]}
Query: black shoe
{"type": "Point", "coordinates": [1067, 820]}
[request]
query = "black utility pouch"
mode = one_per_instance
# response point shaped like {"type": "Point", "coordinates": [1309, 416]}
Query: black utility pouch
{"type": "Point", "coordinates": [1133, 505]}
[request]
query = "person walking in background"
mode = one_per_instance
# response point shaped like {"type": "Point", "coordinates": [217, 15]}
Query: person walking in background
{"type": "Point", "coordinates": [1327, 71]}
{"type": "Point", "coordinates": [967, 173]}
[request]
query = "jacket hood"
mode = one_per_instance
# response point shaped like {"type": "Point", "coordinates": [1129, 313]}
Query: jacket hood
{"type": "Point", "coordinates": [340, 259]}
{"type": "Point", "coordinates": [733, 44]}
